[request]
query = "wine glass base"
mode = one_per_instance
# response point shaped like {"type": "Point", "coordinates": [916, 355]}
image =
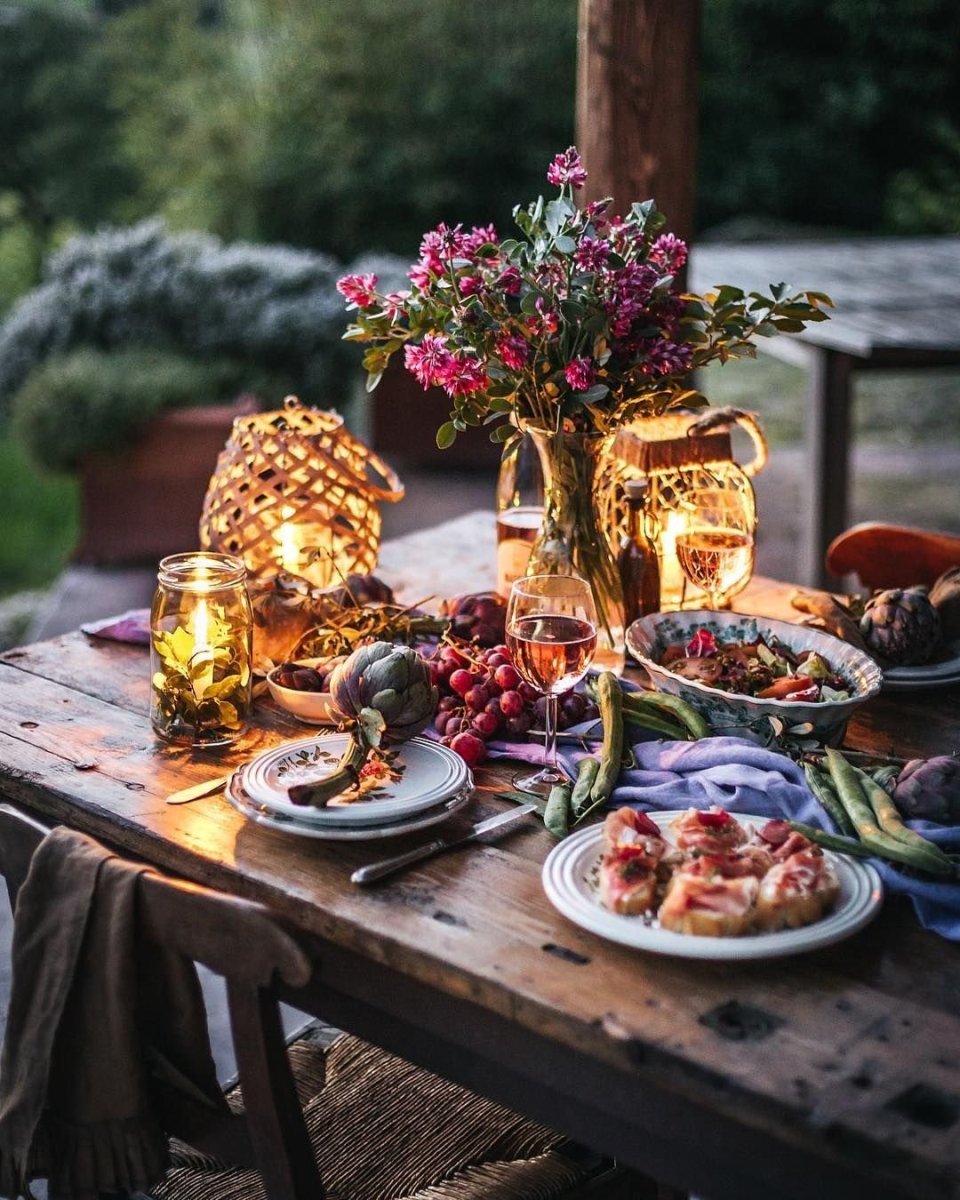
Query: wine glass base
{"type": "Point", "coordinates": [539, 783]}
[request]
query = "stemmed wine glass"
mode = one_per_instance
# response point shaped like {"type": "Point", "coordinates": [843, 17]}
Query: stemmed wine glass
{"type": "Point", "coordinates": [715, 551]}
{"type": "Point", "coordinates": [552, 636]}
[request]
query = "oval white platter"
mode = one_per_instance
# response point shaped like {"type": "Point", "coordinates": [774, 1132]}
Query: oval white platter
{"type": "Point", "coordinates": [427, 773]}
{"type": "Point", "coordinates": [333, 833]}
{"type": "Point", "coordinates": [570, 882]}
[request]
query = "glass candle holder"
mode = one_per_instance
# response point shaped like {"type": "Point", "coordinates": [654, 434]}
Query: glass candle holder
{"type": "Point", "coordinates": [201, 631]}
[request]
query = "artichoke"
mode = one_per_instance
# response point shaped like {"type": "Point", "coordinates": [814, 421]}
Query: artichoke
{"type": "Point", "coordinates": [383, 693]}
{"type": "Point", "coordinates": [929, 789]}
{"type": "Point", "coordinates": [901, 625]}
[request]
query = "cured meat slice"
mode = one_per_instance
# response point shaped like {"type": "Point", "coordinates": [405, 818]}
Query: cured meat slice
{"type": "Point", "coordinates": [744, 860]}
{"type": "Point", "coordinates": [709, 907]}
{"type": "Point", "coordinates": [628, 882]}
{"type": "Point", "coordinates": [797, 891]}
{"type": "Point", "coordinates": [710, 831]}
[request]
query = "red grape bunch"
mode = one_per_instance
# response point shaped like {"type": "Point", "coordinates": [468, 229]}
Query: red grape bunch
{"type": "Point", "coordinates": [482, 697]}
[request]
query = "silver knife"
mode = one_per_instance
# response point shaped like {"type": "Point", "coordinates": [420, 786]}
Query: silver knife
{"type": "Point", "coordinates": [501, 822]}
{"type": "Point", "coordinates": [198, 790]}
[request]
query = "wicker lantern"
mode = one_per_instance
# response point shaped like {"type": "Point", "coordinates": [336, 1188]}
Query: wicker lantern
{"type": "Point", "coordinates": [294, 492]}
{"type": "Point", "coordinates": [679, 454]}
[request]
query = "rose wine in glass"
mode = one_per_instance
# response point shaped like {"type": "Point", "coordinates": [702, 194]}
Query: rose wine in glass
{"type": "Point", "coordinates": [716, 551]}
{"type": "Point", "coordinates": [552, 636]}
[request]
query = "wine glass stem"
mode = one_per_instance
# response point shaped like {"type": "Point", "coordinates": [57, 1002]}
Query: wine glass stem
{"type": "Point", "coordinates": [550, 730]}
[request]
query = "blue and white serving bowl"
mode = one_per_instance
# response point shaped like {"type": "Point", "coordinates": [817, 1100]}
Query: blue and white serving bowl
{"type": "Point", "coordinates": [732, 713]}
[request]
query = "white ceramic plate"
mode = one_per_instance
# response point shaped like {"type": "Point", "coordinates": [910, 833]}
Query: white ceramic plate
{"type": "Point", "coordinates": [427, 773]}
{"type": "Point", "coordinates": [332, 833]}
{"type": "Point", "coordinates": [569, 879]}
{"type": "Point", "coordinates": [942, 673]}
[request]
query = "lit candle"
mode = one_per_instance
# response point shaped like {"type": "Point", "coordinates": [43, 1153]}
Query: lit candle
{"type": "Point", "coordinates": [306, 550]}
{"type": "Point", "coordinates": [202, 659]}
{"type": "Point", "coordinates": [290, 549]}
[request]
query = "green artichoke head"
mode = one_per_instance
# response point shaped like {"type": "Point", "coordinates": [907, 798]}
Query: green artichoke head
{"type": "Point", "coordinates": [392, 680]}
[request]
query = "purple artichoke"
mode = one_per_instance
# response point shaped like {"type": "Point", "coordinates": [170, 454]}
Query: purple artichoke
{"type": "Point", "coordinates": [383, 693]}
{"type": "Point", "coordinates": [928, 789]}
{"type": "Point", "coordinates": [901, 625]}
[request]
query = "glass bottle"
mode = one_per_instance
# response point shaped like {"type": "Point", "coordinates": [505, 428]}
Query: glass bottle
{"type": "Point", "coordinates": [519, 510]}
{"type": "Point", "coordinates": [201, 642]}
{"type": "Point", "coordinates": [637, 561]}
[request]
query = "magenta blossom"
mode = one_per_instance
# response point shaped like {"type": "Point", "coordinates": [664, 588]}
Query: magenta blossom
{"type": "Point", "coordinates": [514, 351]}
{"type": "Point", "coordinates": [429, 361]}
{"type": "Point", "coordinates": [463, 375]}
{"type": "Point", "coordinates": [567, 168]}
{"type": "Point", "coordinates": [394, 304]}
{"type": "Point", "coordinates": [591, 254]}
{"type": "Point", "coordinates": [667, 358]}
{"type": "Point", "coordinates": [668, 252]}
{"type": "Point", "coordinates": [470, 285]}
{"type": "Point", "coordinates": [510, 281]}
{"type": "Point", "coordinates": [580, 374]}
{"type": "Point", "coordinates": [358, 290]}
{"type": "Point", "coordinates": [479, 236]}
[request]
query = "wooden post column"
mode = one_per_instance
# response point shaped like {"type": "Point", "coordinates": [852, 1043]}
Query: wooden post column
{"type": "Point", "coordinates": [637, 104]}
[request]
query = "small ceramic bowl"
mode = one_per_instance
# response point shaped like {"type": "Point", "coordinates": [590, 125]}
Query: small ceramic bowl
{"type": "Point", "coordinates": [729, 712]}
{"type": "Point", "coordinates": [311, 707]}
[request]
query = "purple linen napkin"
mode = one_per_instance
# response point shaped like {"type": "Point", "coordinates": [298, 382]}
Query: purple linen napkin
{"type": "Point", "coordinates": [132, 627]}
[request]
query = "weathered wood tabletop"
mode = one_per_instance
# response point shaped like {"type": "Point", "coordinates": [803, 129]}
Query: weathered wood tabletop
{"type": "Point", "coordinates": [897, 308]}
{"type": "Point", "coordinates": [835, 1073]}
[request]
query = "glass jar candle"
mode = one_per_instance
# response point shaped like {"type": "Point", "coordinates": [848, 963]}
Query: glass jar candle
{"type": "Point", "coordinates": [201, 630]}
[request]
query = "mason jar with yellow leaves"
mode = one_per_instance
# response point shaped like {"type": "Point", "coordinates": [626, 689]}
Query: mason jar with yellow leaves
{"type": "Point", "coordinates": [201, 630]}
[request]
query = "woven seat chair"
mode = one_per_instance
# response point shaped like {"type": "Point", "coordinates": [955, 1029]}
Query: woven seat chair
{"type": "Point", "coordinates": [887, 556]}
{"type": "Point", "coordinates": [369, 1124]}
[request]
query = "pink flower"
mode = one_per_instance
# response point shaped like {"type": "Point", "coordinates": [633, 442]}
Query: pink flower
{"type": "Point", "coordinates": [668, 252]}
{"type": "Point", "coordinates": [580, 374]}
{"type": "Point", "coordinates": [567, 168]}
{"type": "Point", "coordinates": [429, 361]}
{"type": "Point", "coordinates": [463, 375]}
{"type": "Point", "coordinates": [514, 351]}
{"type": "Point", "coordinates": [596, 212]}
{"type": "Point", "coordinates": [423, 273]}
{"type": "Point", "coordinates": [358, 290]}
{"type": "Point", "coordinates": [548, 322]}
{"type": "Point", "coordinates": [591, 254]}
{"type": "Point", "coordinates": [470, 285]}
{"type": "Point", "coordinates": [509, 281]}
{"type": "Point", "coordinates": [477, 237]}
{"type": "Point", "coordinates": [394, 304]}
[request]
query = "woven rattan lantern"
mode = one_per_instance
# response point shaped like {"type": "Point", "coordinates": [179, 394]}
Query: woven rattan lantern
{"type": "Point", "coordinates": [679, 453]}
{"type": "Point", "coordinates": [293, 491]}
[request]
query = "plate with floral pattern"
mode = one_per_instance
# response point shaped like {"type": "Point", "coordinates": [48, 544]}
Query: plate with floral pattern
{"type": "Point", "coordinates": [405, 780]}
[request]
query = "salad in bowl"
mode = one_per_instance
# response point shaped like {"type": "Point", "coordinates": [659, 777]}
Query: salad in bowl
{"type": "Point", "coordinates": [740, 671]}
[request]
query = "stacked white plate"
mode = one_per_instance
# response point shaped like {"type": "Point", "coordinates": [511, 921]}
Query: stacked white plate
{"type": "Point", "coordinates": [431, 783]}
{"type": "Point", "coordinates": [944, 672]}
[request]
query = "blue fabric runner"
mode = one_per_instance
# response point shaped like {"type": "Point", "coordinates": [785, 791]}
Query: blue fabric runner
{"type": "Point", "coordinates": [745, 778]}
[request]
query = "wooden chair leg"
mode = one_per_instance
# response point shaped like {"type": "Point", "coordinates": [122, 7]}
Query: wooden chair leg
{"type": "Point", "coordinates": [274, 1116]}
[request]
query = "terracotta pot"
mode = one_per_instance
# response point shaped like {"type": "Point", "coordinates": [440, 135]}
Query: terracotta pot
{"type": "Point", "coordinates": [139, 505]}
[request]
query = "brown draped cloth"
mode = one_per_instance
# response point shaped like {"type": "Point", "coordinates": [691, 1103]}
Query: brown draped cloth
{"type": "Point", "coordinates": [106, 1050]}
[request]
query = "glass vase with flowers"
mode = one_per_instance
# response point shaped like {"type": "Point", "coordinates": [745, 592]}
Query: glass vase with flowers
{"type": "Point", "coordinates": [569, 329]}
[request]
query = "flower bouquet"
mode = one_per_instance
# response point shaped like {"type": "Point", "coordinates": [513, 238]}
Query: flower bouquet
{"type": "Point", "coordinates": [569, 330]}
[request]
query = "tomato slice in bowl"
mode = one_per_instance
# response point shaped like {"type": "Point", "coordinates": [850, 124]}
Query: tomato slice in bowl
{"type": "Point", "coordinates": [703, 670]}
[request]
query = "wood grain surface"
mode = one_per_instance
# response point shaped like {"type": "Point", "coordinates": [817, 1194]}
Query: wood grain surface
{"type": "Point", "coordinates": [838, 1069]}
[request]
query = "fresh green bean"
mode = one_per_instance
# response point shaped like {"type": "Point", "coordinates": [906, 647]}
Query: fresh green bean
{"type": "Point", "coordinates": [556, 816]}
{"type": "Point", "coordinates": [656, 723]}
{"type": "Point", "coordinates": [892, 824]}
{"type": "Point", "coordinates": [610, 700]}
{"type": "Point", "coordinates": [855, 802]}
{"type": "Point", "coordinates": [831, 842]}
{"type": "Point", "coordinates": [822, 787]}
{"type": "Point", "coordinates": [679, 709]}
{"type": "Point", "coordinates": [586, 775]}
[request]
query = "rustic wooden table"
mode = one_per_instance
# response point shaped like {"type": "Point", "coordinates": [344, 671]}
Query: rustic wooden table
{"type": "Point", "coordinates": [896, 309]}
{"type": "Point", "coordinates": [836, 1073]}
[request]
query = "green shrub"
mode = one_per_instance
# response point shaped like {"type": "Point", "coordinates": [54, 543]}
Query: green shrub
{"type": "Point", "coordinates": [95, 401]}
{"type": "Point", "coordinates": [270, 308]}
